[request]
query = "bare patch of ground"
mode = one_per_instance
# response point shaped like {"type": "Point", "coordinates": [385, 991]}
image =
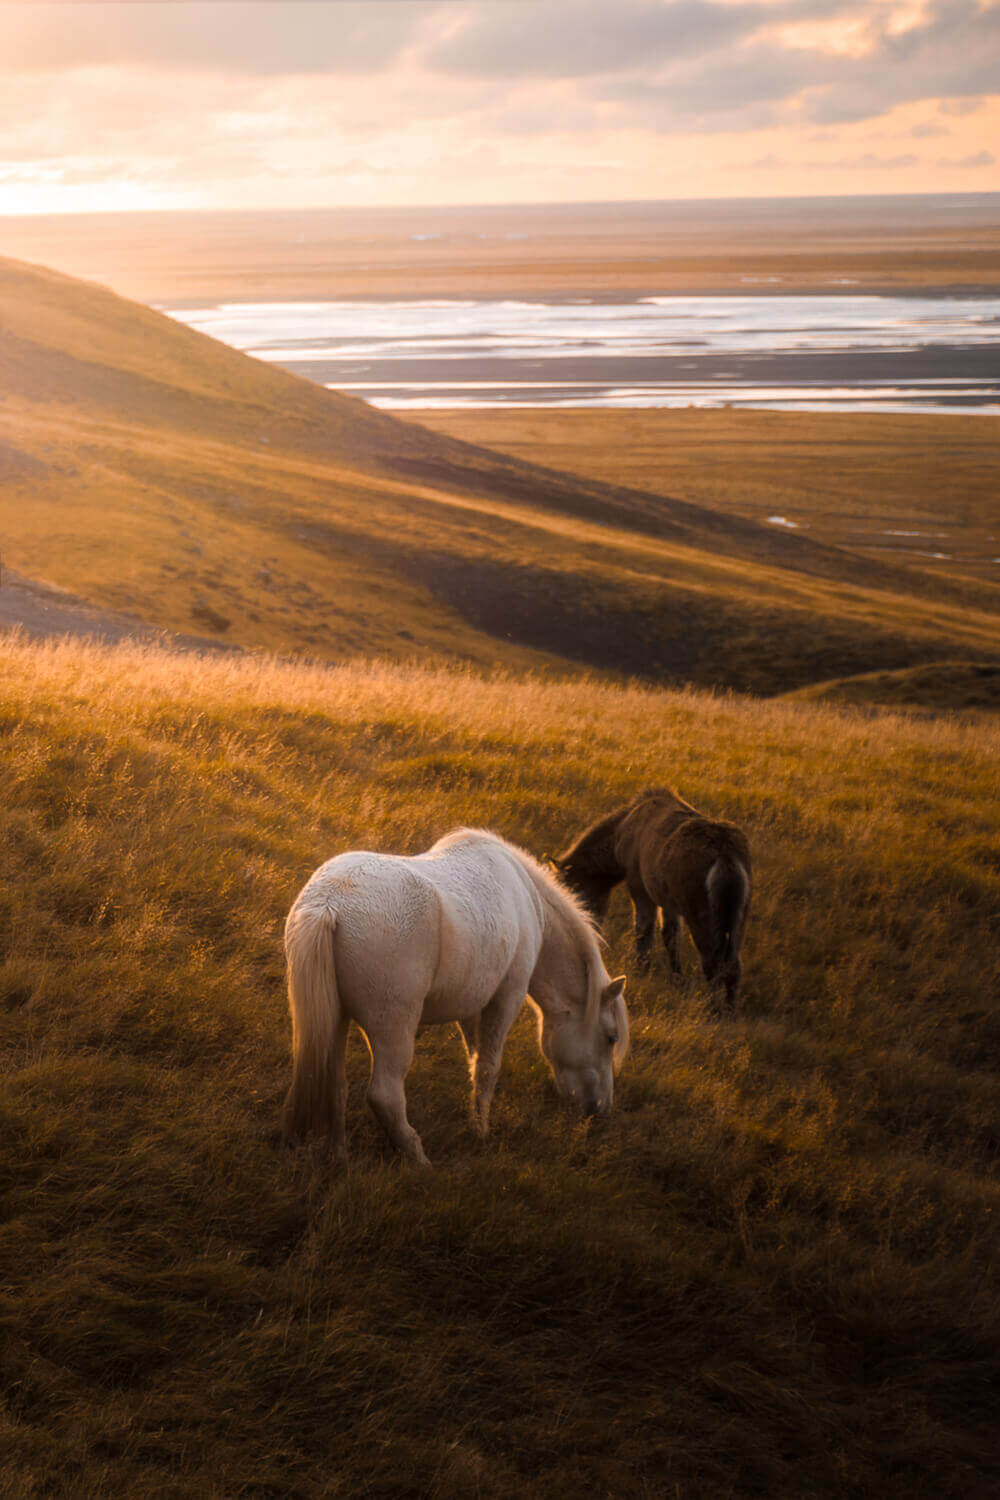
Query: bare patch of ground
{"type": "Point", "coordinates": [42, 610]}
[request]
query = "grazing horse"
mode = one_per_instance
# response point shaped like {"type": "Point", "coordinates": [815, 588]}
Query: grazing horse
{"type": "Point", "coordinates": [460, 934]}
{"type": "Point", "coordinates": [672, 858]}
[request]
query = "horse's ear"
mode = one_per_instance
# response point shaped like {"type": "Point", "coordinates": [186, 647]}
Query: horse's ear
{"type": "Point", "coordinates": [614, 997]}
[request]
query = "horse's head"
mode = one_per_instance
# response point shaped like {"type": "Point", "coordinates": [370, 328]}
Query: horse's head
{"type": "Point", "coordinates": [586, 1046]}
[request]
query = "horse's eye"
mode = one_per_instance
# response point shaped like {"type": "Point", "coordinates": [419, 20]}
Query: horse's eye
{"type": "Point", "coordinates": [613, 1039]}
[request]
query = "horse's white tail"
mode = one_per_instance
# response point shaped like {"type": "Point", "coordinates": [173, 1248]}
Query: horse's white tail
{"type": "Point", "coordinates": [728, 887]}
{"type": "Point", "coordinates": [316, 1020]}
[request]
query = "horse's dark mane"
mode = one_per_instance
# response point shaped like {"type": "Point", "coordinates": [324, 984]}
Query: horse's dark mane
{"type": "Point", "coordinates": [591, 836]}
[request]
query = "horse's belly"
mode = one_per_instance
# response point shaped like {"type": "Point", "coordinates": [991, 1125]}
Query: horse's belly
{"type": "Point", "coordinates": [459, 997]}
{"type": "Point", "coordinates": [472, 966]}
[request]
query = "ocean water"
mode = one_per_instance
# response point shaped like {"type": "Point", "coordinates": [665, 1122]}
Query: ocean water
{"type": "Point", "coordinates": [840, 351]}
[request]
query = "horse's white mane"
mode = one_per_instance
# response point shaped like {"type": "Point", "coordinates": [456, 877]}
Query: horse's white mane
{"type": "Point", "coordinates": [550, 888]}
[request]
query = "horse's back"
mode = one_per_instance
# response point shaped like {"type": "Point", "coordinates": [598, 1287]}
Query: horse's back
{"type": "Point", "coordinates": [491, 917]}
{"type": "Point", "coordinates": [673, 849]}
{"type": "Point", "coordinates": [363, 882]}
{"type": "Point", "coordinates": [645, 830]}
{"type": "Point", "coordinates": [714, 839]}
{"type": "Point", "coordinates": [480, 871]}
{"type": "Point", "coordinates": [441, 929]}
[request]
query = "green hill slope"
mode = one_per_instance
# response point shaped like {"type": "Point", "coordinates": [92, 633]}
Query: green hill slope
{"type": "Point", "coordinates": [768, 1272]}
{"type": "Point", "coordinates": [155, 471]}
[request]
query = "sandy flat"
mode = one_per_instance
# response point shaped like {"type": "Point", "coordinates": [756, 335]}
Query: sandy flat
{"type": "Point", "coordinates": [834, 246]}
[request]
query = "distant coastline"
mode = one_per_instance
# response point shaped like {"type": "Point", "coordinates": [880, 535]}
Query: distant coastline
{"type": "Point", "coordinates": [846, 352]}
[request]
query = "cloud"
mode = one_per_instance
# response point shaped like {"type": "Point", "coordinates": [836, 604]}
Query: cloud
{"type": "Point", "coordinates": [691, 64]}
{"type": "Point", "coordinates": [578, 38]}
{"type": "Point", "coordinates": [209, 90]}
{"type": "Point", "coordinates": [866, 162]}
{"type": "Point", "coordinates": [686, 62]}
{"type": "Point", "coordinates": [952, 50]}
{"type": "Point", "coordinates": [960, 107]}
{"type": "Point", "coordinates": [225, 36]}
{"type": "Point", "coordinates": [976, 159]}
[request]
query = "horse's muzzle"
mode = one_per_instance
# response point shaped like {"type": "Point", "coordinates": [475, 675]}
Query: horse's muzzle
{"type": "Point", "coordinates": [596, 1107]}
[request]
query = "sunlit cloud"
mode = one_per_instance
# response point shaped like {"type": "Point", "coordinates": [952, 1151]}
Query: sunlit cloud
{"type": "Point", "coordinates": [229, 103]}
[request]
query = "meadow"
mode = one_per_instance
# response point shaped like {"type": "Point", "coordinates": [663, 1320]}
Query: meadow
{"type": "Point", "coordinates": [771, 1271]}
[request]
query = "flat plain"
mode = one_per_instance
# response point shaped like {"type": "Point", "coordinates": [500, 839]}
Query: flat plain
{"type": "Point", "coordinates": [824, 245]}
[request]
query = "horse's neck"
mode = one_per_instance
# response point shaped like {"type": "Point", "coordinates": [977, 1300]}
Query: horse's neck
{"type": "Point", "coordinates": [594, 852]}
{"type": "Point", "coordinates": [568, 948]}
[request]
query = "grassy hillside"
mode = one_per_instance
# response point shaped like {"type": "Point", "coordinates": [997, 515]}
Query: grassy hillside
{"type": "Point", "coordinates": [947, 686]}
{"type": "Point", "coordinates": [771, 1271]}
{"type": "Point", "coordinates": [156, 472]}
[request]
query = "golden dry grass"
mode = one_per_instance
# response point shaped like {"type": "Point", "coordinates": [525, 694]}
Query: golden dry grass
{"type": "Point", "coordinates": [770, 1271]}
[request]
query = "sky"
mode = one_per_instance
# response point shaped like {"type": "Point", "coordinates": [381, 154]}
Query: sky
{"type": "Point", "coordinates": [128, 104]}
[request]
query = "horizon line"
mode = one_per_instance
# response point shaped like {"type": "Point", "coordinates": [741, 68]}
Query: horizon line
{"type": "Point", "coordinates": [541, 204]}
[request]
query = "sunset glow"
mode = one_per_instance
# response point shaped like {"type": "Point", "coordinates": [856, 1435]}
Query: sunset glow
{"type": "Point", "coordinates": [224, 104]}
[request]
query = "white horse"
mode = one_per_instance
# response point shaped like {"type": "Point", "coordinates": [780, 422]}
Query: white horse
{"type": "Point", "coordinates": [460, 933]}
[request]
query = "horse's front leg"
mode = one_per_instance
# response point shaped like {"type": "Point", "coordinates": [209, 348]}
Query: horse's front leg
{"type": "Point", "coordinates": [495, 1021]}
{"type": "Point", "coordinates": [645, 922]}
{"type": "Point", "coordinates": [470, 1036]}
{"type": "Point", "coordinates": [670, 926]}
{"type": "Point", "coordinates": [392, 1054]}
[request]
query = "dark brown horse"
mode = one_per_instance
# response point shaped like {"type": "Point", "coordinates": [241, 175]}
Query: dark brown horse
{"type": "Point", "coordinates": [672, 858]}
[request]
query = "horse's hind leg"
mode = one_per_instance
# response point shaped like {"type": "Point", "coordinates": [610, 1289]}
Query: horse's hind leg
{"type": "Point", "coordinates": [644, 911]}
{"type": "Point", "coordinates": [392, 1055]}
{"type": "Point", "coordinates": [732, 974]}
{"type": "Point", "coordinates": [338, 1090]}
{"type": "Point", "coordinates": [495, 1020]}
{"type": "Point", "coordinates": [720, 975]}
{"type": "Point", "coordinates": [710, 944]}
{"type": "Point", "coordinates": [734, 965]}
